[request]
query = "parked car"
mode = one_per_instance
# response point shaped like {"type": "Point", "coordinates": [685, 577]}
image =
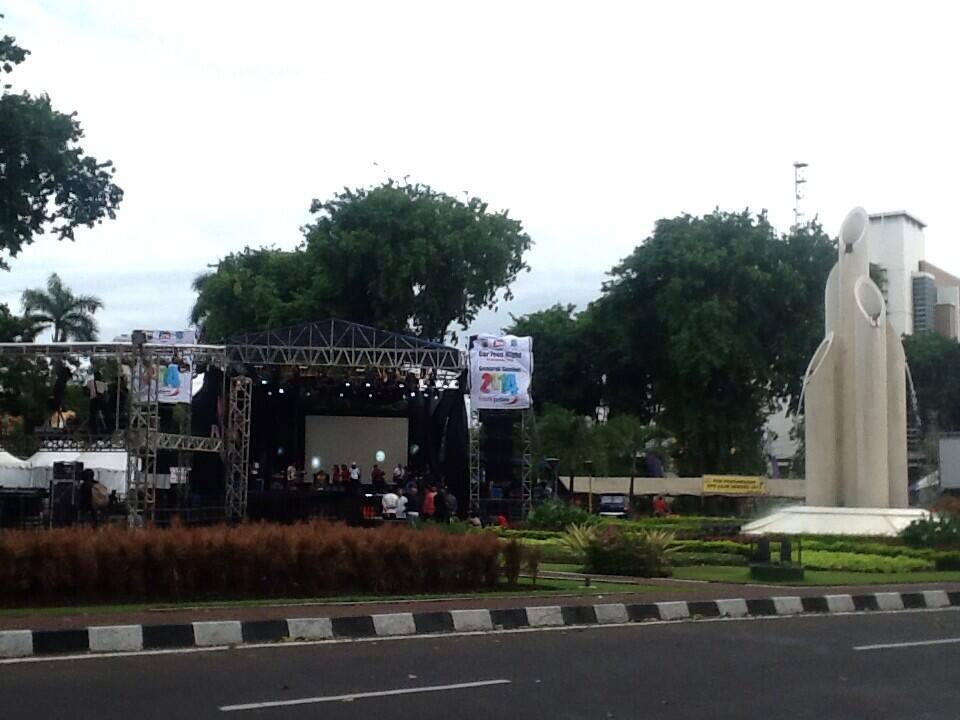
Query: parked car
{"type": "Point", "coordinates": [614, 506]}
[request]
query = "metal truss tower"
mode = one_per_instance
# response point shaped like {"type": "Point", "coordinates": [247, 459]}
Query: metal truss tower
{"type": "Point", "coordinates": [238, 447]}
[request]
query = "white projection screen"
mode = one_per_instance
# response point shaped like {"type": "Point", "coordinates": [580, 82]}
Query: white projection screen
{"type": "Point", "coordinates": [342, 440]}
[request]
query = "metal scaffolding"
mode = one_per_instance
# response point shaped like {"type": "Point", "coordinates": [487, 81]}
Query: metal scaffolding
{"type": "Point", "coordinates": [475, 470]}
{"type": "Point", "coordinates": [337, 343]}
{"type": "Point", "coordinates": [238, 447]}
{"type": "Point", "coordinates": [142, 440]}
{"type": "Point", "coordinates": [526, 468]}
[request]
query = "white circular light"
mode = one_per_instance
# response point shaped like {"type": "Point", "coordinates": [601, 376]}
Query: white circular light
{"type": "Point", "coordinates": [381, 456]}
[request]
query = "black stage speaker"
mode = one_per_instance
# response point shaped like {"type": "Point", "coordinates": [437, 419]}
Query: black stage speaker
{"type": "Point", "coordinates": [67, 471]}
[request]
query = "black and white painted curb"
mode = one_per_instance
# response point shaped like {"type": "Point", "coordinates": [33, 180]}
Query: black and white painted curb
{"type": "Point", "coordinates": [135, 638]}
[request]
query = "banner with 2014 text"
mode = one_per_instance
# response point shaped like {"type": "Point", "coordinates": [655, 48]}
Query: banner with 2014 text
{"type": "Point", "coordinates": [501, 367]}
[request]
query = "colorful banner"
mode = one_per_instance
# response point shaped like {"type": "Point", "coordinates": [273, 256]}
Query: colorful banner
{"type": "Point", "coordinates": [733, 485]}
{"type": "Point", "coordinates": [173, 374]}
{"type": "Point", "coordinates": [500, 372]}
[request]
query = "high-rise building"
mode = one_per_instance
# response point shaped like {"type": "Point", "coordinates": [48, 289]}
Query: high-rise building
{"type": "Point", "coordinates": [924, 302]}
{"type": "Point", "coordinates": [896, 244]}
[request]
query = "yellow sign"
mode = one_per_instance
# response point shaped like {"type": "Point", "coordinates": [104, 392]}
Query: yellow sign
{"type": "Point", "coordinates": [733, 485]}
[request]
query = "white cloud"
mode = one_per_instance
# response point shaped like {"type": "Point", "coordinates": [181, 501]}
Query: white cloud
{"type": "Point", "coordinates": [588, 121]}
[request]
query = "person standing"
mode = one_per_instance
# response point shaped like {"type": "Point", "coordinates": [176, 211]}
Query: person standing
{"type": "Point", "coordinates": [401, 505]}
{"type": "Point", "coordinates": [389, 503]}
{"type": "Point", "coordinates": [355, 474]}
{"type": "Point", "coordinates": [413, 506]}
{"type": "Point", "coordinates": [450, 501]}
{"type": "Point", "coordinates": [429, 503]}
{"type": "Point", "coordinates": [379, 478]}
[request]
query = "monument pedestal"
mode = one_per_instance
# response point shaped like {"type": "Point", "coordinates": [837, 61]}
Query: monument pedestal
{"type": "Point", "coordinates": [803, 520]}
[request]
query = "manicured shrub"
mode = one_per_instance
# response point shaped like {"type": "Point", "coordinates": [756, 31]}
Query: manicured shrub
{"type": "Point", "coordinates": [577, 538]}
{"type": "Point", "coordinates": [533, 556]}
{"type": "Point", "coordinates": [947, 561]}
{"type": "Point", "coordinates": [614, 552]}
{"type": "Point", "coordinates": [858, 562]}
{"type": "Point", "coordinates": [512, 558]}
{"type": "Point", "coordinates": [681, 558]}
{"type": "Point", "coordinates": [558, 515]}
{"type": "Point", "coordinates": [938, 531]}
{"type": "Point", "coordinates": [71, 565]}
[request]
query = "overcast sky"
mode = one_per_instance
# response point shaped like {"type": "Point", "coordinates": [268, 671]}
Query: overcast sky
{"type": "Point", "coordinates": [588, 121]}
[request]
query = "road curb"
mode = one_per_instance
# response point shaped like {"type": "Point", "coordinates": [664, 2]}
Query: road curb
{"type": "Point", "coordinates": [133, 638]}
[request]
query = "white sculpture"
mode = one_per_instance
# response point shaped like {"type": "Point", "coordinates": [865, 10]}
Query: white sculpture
{"type": "Point", "coordinates": [855, 389]}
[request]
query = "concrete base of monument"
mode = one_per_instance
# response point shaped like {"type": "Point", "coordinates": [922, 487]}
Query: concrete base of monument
{"type": "Point", "coordinates": [803, 520]}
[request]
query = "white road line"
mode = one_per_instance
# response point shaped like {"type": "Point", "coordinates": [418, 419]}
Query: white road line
{"type": "Point", "coordinates": [916, 643]}
{"type": "Point", "coordinates": [359, 696]}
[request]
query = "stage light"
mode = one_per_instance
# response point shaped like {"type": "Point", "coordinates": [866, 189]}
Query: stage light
{"type": "Point", "coordinates": [381, 456]}
{"type": "Point", "coordinates": [341, 394]}
{"type": "Point", "coordinates": [270, 393]}
{"type": "Point", "coordinates": [263, 381]}
{"type": "Point", "coordinates": [347, 383]}
{"type": "Point", "coordinates": [402, 385]}
{"type": "Point", "coordinates": [281, 391]}
{"type": "Point", "coordinates": [368, 384]}
{"type": "Point", "coordinates": [413, 394]}
{"type": "Point", "coordinates": [280, 451]}
{"type": "Point", "coordinates": [370, 395]}
{"type": "Point", "coordinates": [315, 462]}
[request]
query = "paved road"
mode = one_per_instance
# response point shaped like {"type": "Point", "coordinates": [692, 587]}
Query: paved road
{"type": "Point", "coordinates": [804, 667]}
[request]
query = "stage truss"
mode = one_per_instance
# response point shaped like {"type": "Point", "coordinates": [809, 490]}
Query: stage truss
{"type": "Point", "coordinates": [323, 344]}
{"type": "Point", "coordinates": [527, 430]}
{"type": "Point", "coordinates": [142, 438]}
{"type": "Point", "coordinates": [238, 447]}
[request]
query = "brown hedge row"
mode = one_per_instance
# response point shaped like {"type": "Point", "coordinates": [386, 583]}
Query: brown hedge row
{"type": "Point", "coordinates": [73, 565]}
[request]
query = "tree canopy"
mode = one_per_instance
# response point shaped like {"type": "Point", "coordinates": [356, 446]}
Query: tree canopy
{"type": "Point", "coordinates": [69, 316]}
{"type": "Point", "coordinates": [48, 182]}
{"type": "Point", "coordinates": [934, 363]}
{"type": "Point", "coordinates": [400, 256]}
{"type": "Point", "coordinates": [718, 318]}
{"type": "Point", "coordinates": [566, 367]}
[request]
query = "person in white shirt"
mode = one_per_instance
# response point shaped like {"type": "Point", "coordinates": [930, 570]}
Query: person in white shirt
{"type": "Point", "coordinates": [401, 505]}
{"type": "Point", "coordinates": [354, 472]}
{"type": "Point", "coordinates": [390, 502]}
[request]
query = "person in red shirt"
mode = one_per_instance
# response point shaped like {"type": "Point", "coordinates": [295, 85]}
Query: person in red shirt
{"type": "Point", "coordinates": [429, 503]}
{"type": "Point", "coordinates": [502, 521]}
{"type": "Point", "coordinates": [336, 474]}
{"type": "Point", "coordinates": [660, 508]}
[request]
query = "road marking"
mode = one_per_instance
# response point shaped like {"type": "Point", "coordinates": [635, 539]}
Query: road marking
{"type": "Point", "coordinates": [915, 643]}
{"type": "Point", "coordinates": [360, 696]}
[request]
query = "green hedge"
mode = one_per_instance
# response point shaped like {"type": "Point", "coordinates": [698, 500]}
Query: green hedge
{"type": "Point", "coordinates": [862, 562]}
{"type": "Point", "coordinates": [686, 559]}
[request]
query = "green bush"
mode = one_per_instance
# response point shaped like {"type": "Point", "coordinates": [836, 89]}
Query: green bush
{"type": "Point", "coordinates": [703, 547]}
{"type": "Point", "coordinates": [860, 562]}
{"type": "Point", "coordinates": [558, 515]}
{"type": "Point", "coordinates": [936, 532]}
{"type": "Point", "coordinates": [512, 559]}
{"type": "Point", "coordinates": [614, 552]}
{"type": "Point", "coordinates": [947, 561]}
{"type": "Point", "coordinates": [682, 558]}
{"type": "Point", "coordinates": [866, 547]}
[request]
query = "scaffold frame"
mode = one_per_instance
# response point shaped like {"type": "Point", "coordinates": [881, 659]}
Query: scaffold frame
{"type": "Point", "coordinates": [238, 447]}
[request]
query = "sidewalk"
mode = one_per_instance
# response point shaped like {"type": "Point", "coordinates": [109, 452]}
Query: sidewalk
{"type": "Point", "coordinates": [648, 591]}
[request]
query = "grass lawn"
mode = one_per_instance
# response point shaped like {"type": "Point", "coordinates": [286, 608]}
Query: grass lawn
{"type": "Point", "coordinates": [730, 574]}
{"type": "Point", "coordinates": [524, 588]}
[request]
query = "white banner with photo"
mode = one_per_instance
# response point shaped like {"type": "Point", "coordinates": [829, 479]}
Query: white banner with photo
{"type": "Point", "coordinates": [501, 367]}
{"type": "Point", "coordinates": [172, 376]}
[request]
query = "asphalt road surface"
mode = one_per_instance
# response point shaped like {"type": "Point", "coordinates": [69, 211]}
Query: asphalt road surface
{"type": "Point", "coordinates": [903, 665]}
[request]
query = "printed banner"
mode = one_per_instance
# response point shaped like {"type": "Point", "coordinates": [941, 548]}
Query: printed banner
{"type": "Point", "coordinates": [733, 485]}
{"type": "Point", "coordinates": [172, 375]}
{"type": "Point", "coordinates": [500, 371]}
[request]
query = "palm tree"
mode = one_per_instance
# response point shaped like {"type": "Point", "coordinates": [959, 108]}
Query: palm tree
{"type": "Point", "coordinates": [70, 316]}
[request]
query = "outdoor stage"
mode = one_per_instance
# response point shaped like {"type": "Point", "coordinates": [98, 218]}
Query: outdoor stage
{"type": "Point", "coordinates": [306, 396]}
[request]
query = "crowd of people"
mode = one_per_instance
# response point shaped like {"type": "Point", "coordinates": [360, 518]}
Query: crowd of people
{"type": "Point", "coordinates": [405, 497]}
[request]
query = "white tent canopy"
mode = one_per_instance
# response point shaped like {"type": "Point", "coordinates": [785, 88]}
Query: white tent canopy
{"type": "Point", "coordinates": [110, 467]}
{"type": "Point", "coordinates": [14, 472]}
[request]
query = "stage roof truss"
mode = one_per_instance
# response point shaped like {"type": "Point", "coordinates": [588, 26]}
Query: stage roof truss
{"type": "Point", "coordinates": [335, 343]}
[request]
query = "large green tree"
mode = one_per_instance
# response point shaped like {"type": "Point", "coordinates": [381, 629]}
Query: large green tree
{"type": "Point", "coordinates": [399, 256]}
{"type": "Point", "coordinates": [713, 321]}
{"type": "Point", "coordinates": [48, 182]}
{"type": "Point", "coordinates": [566, 372]}
{"type": "Point", "coordinates": [69, 316]}
{"type": "Point", "coordinates": [934, 363]}
{"type": "Point", "coordinates": [251, 290]}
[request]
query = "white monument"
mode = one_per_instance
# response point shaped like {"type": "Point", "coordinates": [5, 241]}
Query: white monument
{"type": "Point", "coordinates": [855, 411]}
